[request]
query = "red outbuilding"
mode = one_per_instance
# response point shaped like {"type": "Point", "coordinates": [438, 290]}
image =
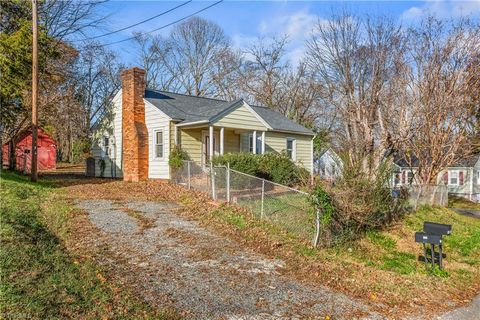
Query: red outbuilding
{"type": "Point", "coordinates": [47, 151]}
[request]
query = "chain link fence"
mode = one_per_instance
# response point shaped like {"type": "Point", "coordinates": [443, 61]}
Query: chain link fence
{"type": "Point", "coordinates": [435, 195]}
{"type": "Point", "coordinates": [283, 206]}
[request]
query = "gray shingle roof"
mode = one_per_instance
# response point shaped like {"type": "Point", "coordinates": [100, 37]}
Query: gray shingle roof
{"type": "Point", "coordinates": [464, 163]}
{"type": "Point", "coordinates": [185, 108]}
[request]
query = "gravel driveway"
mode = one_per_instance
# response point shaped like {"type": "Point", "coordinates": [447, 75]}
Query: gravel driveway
{"type": "Point", "coordinates": [176, 262]}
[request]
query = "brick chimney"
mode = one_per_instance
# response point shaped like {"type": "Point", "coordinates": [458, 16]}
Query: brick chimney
{"type": "Point", "coordinates": [134, 133]}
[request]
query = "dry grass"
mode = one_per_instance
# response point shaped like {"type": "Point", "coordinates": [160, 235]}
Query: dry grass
{"type": "Point", "coordinates": [381, 269]}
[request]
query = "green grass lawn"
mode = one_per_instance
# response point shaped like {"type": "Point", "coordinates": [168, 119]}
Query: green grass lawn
{"type": "Point", "coordinates": [290, 211]}
{"type": "Point", "coordinates": [462, 203]}
{"type": "Point", "coordinates": [40, 279]}
{"type": "Point", "coordinates": [382, 267]}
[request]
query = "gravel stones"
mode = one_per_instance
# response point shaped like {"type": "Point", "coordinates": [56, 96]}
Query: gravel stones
{"type": "Point", "coordinates": [204, 276]}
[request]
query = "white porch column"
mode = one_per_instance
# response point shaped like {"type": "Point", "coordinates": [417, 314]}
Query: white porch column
{"type": "Point", "coordinates": [210, 140]}
{"type": "Point", "coordinates": [175, 134]}
{"type": "Point", "coordinates": [222, 129]}
{"type": "Point", "coordinates": [263, 142]}
{"type": "Point", "coordinates": [254, 142]}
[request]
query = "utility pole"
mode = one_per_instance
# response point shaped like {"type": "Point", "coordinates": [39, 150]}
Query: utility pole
{"type": "Point", "coordinates": [34, 173]}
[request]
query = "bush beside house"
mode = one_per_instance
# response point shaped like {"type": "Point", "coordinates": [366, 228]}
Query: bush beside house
{"type": "Point", "coordinates": [276, 167]}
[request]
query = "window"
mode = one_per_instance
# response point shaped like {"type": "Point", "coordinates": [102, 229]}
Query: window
{"type": "Point", "coordinates": [291, 153]}
{"type": "Point", "coordinates": [410, 177]}
{"type": "Point", "coordinates": [453, 178]}
{"type": "Point", "coordinates": [334, 171]}
{"type": "Point", "coordinates": [106, 145]}
{"type": "Point", "coordinates": [478, 177]}
{"type": "Point", "coordinates": [259, 143]}
{"type": "Point", "coordinates": [159, 144]}
{"type": "Point", "coordinates": [397, 179]}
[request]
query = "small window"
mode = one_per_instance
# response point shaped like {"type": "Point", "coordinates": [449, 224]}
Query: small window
{"type": "Point", "coordinates": [291, 148]}
{"type": "Point", "coordinates": [159, 144]}
{"type": "Point", "coordinates": [410, 177]}
{"type": "Point", "coordinates": [478, 177]}
{"type": "Point", "coordinates": [453, 178]}
{"type": "Point", "coordinates": [106, 144]}
{"type": "Point", "coordinates": [397, 179]}
{"type": "Point", "coordinates": [334, 171]}
{"type": "Point", "coordinates": [258, 146]}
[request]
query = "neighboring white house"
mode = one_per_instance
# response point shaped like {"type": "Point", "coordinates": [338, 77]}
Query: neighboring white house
{"type": "Point", "coordinates": [462, 178]}
{"type": "Point", "coordinates": [328, 165]}
{"type": "Point", "coordinates": [135, 139]}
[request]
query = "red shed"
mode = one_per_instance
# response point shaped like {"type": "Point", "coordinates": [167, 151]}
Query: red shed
{"type": "Point", "coordinates": [47, 151]}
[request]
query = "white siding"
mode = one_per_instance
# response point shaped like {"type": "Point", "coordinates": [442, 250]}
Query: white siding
{"type": "Point", "coordinates": [157, 120]}
{"type": "Point", "coordinates": [109, 126]}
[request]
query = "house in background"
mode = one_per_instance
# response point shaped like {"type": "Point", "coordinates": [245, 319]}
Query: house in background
{"type": "Point", "coordinates": [462, 178]}
{"type": "Point", "coordinates": [134, 141]}
{"type": "Point", "coordinates": [47, 151]}
{"type": "Point", "coordinates": [328, 165]}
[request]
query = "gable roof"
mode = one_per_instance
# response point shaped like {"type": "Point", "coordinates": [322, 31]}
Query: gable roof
{"type": "Point", "coordinates": [464, 163]}
{"type": "Point", "coordinates": [28, 131]}
{"type": "Point", "coordinates": [187, 109]}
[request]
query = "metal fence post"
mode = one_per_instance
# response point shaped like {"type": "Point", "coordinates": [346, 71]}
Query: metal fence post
{"type": "Point", "coordinates": [228, 182]}
{"type": "Point", "coordinates": [263, 198]}
{"type": "Point", "coordinates": [188, 174]}
{"type": "Point", "coordinates": [317, 231]}
{"type": "Point", "coordinates": [212, 179]}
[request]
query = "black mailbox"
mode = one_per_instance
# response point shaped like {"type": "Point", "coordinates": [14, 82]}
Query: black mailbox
{"type": "Point", "coordinates": [422, 237]}
{"type": "Point", "coordinates": [437, 228]}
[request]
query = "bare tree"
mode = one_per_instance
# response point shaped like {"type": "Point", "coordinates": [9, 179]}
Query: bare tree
{"type": "Point", "coordinates": [264, 71]}
{"type": "Point", "coordinates": [195, 47]}
{"type": "Point", "coordinates": [359, 65]}
{"type": "Point", "coordinates": [154, 55]}
{"type": "Point", "coordinates": [442, 86]}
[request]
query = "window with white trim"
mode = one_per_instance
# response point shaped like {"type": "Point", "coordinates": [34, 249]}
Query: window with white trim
{"type": "Point", "coordinates": [453, 178]}
{"type": "Point", "coordinates": [158, 143]}
{"type": "Point", "coordinates": [291, 148]}
{"type": "Point", "coordinates": [478, 177]}
{"type": "Point", "coordinates": [259, 143]}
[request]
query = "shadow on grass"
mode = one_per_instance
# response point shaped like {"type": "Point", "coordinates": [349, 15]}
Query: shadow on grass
{"type": "Point", "coordinates": [54, 179]}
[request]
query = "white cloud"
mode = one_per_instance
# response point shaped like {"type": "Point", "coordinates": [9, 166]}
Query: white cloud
{"type": "Point", "coordinates": [443, 10]}
{"type": "Point", "coordinates": [297, 26]}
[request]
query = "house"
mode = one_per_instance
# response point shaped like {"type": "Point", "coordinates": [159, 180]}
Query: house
{"type": "Point", "coordinates": [462, 178]}
{"type": "Point", "coordinates": [328, 165]}
{"type": "Point", "coordinates": [47, 151]}
{"type": "Point", "coordinates": [134, 140]}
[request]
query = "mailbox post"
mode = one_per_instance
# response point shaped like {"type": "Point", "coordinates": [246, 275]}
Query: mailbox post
{"type": "Point", "coordinates": [432, 234]}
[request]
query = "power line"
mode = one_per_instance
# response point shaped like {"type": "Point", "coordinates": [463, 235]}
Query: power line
{"type": "Point", "coordinates": [167, 25]}
{"type": "Point", "coordinates": [136, 24]}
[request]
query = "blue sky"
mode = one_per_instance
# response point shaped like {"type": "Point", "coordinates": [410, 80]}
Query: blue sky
{"type": "Point", "coordinates": [245, 21]}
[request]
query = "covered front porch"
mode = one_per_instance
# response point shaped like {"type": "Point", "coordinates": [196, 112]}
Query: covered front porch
{"type": "Point", "coordinates": [196, 140]}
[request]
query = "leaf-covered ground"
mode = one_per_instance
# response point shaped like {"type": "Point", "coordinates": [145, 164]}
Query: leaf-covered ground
{"type": "Point", "coordinates": [40, 277]}
{"type": "Point", "coordinates": [382, 270]}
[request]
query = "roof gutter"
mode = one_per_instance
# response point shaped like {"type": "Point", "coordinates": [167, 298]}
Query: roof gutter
{"type": "Point", "coordinates": [192, 123]}
{"type": "Point", "coordinates": [295, 132]}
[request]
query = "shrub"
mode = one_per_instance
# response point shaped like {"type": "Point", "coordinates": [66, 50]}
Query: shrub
{"type": "Point", "coordinates": [360, 204]}
{"type": "Point", "coordinates": [176, 158]}
{"type": "Point", "coordinates": [279, 168]}
{"type": "Point", "coordinates": [276, 167]}
{"type": "Point", "coordinates": [244, 162]}
{"type": "Point", "coordinates": [80, 150]}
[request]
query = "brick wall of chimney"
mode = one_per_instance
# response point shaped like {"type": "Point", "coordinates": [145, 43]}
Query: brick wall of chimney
{"type": "Point", "coordinates": [134, 133]}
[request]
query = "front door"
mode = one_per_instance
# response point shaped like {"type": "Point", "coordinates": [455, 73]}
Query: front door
{"type": "Point", "coordinates": [206, 146]}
